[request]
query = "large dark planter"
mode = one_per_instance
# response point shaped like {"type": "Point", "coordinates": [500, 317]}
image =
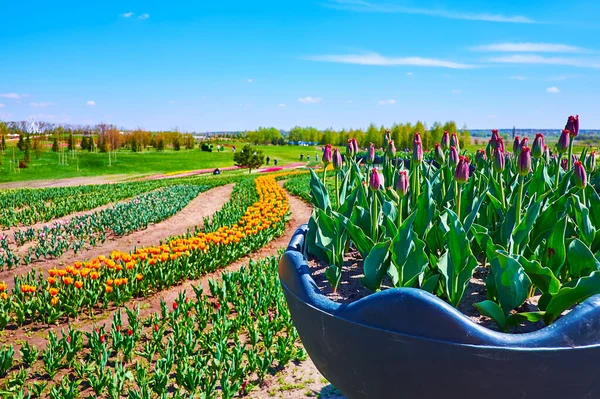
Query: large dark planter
{"type": "Point", "coordinates": [407, 343]}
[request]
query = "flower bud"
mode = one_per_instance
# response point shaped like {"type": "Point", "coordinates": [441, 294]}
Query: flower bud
{"type": "Point", "coordinates": [564, 163]}
{"type": "Point", "coordinates": [371, 157]}
{"type": "Point", "coordinates": [446, 141]}
{"type": "Point", "coordinates": [546, 154]}
{"type": "Point", "coordinates": [500, 144]}
{"type": "Point", "coordinates": [524, 143]}
{"type": "Point", "coordinates": [494, 139]}
{"type": "Point", "coordinates": [461, 174]}
{"type": "Point", "coordinates": [438, 153]}
{"type": "Point", "coordinates": [537, 149]}
{"type": "Point", "coordinates": [417, 152]}
{"type": "Point", "coordinates": [386, 138]}
{"type": "Point", "coordinates": [499, 160]}
{"type": "Point", "coordinates": [480, 158]}
{"type": "Point", "coordinates": [525, 161]}
{"type": "Point", "coordinates": [579, 175]}
{"type": "Point", "coordinates": [402, 183]}
{"type": "Point", "coordinates": [391, 148]}
{"type": "Point", "coordinates": [453, 157]}
{"type": "Point", "coordinates": [454, 142]}
{"type": "Point", "coordinates": [337, 159]}
{"type": "Point", "coordinates": [573, 125]}
{"type": "Point", "coordinates": [375, 180]}
{"type": "Point", "coordinates": [350, 148]}
{"type": "Point", "coordinates": [563, 142]}
{"type": "Point", "coordinates": [590, 162]}
{"type": "Point", "coordinates": [516, 145]}
{"type": "Point", "coordinates": [327, 155]}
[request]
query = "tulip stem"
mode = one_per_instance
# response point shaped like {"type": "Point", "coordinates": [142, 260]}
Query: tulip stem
{"type": "Point", "coordinates": [571, 152]}
{"type": "Point", "coordinates": [458, 198]}
{"type": "Point", "coordinates": [400, 206]}
{"type": "Point", "coordinates": [337, 190]}
{"type": "Point", "coordinates": [374, 216]}
{"type": "Point", "coordinates": [557, 171]}
{"type": "Point", "coordinates": [502, 196]}
{"type": "Point", "coordinates": [520, 198]}
{"type": "Point", "coordinates": [583, 196]}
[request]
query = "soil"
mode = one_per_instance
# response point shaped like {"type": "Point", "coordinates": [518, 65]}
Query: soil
{"type": "Point", "coordinates": [204, 205]}
{"type": "Point", "coordinates": [351, 290]}
{"type": "Point", "coordinates": [67, 182]}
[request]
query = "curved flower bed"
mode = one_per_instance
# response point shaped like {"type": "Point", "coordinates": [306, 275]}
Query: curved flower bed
{"type": "Point", "coordinates": [255, 215]}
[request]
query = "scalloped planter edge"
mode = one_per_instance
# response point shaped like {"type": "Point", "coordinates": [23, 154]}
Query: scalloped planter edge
{"type": "Point", "coordinates": [407, 343]}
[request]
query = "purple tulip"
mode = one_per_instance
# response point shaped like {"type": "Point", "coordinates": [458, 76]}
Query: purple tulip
{"type": "Point", "coordinates": [546, 154]}
{"type": "Point", "coordinates": [386, 138]}
{"type": "Point", "coordinates": [371, 157]}
{"type": "Point", "coordinates": [337, 159]}
{"type": "Point", "coordinates": [590, 162]}
{"type": "Point", "coordinates": [454, 141]}
{"type": "Point", "coordinates": [525, 161]}
{"type": "Point", "coordinates": [327, 155]}
{"type": "Point", "coordinates": [494, 139]}
{"type": "Point", "coordinates": [453, 157]}
{"type": "Point", "coordinates": [499, 160]}
{"type": "Point", "coordinates": [438, 153]}
{"type": "Point", "coordinates": [461, 174]}
{"type": "Point", "coordinates": [480, 158]}
{"type": "Point", "coordinates": [417, 149]}
{"type": "Point", "coordinates": [516, 145]}
{"type": "Point", "coordinates": [579, 175]}
{"type": "Point", "coordinates": [563, 142]}
{"type": "Point", "coordinates": [573, 125]}
{"type": "Point", "coordinates": [375, 180]}
{"type": "Point", "coordinates": [446, 141]}
{"type": "Point", "coordinates": [564, 163]}
{"type": "Point", "coordinates": [350, 148]}
{"type": "Point", "coordinates": [500, 144]}
{"type": "Point", "coordinates": [537, 149]}
{"type": "Point", "coordinates": [524, 142]}
{"type": "Point", "coordinates": [402, 183]}
{"type": "Point", "coordinates": [391, 148]}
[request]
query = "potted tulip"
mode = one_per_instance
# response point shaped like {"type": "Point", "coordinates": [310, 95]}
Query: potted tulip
{"type": "Point", "coordinates": [517, 223]}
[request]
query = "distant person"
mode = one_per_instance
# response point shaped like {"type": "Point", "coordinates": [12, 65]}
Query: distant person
{"type": "Point", "coordinates": [308, 158]}
{"type": "Point", "coordinates": [268, 159]}
{"type": "Point", "coordinates": [301, 157]}
{"type": "Point", "coordinates": [217, 171]}
{"type": "Point", "coordinates": [275, 162]}
{"type": "Point", "coordinates": [233, 148]}
{"type": "Point", "coordinates": [317, 158]}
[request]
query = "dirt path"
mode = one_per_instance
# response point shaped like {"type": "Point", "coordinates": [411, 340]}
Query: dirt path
{"type": "Point", "coordinates": [204, 205]}
{"type": "Point", "coordinates": [67, 182]}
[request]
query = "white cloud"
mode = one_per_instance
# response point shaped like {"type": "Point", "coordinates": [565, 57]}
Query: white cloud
{"type": "Point", "coordinates": [380, 60]}
{"type": "Point", "coordinates": [456, 91]}
{"type": "Point", "coordinates": [310, 100]}
{"type": "Point", "coordinates": [14, 96]}
{"type": "Point", "coordinates": [127, 14]}
{"type": "Point", "coordinates": [348, 101]}
{"type": "Point", "coordinates": [41, 104]}
{"type": "Point", "coordinates": [282, 105]}
{"type": "Point", "coordinates": [538, 59]}
{"type": "Point", "coordinates": [518, 77]}
{"type": "Point", "coordinates": [250, 80]}
{"type": "Point", "coordinates": [2, 105]}
{"type": "Point", "coordinates": [366, 6]}
{"type": "Point", "coordinates": [492, 116]}
{"type": "Point", "coordinates": [530, 48]}
{"type": "Point", "coordinates": [144, 16]}
{"type": "Point", "coordinates": [409, 74]}
{"type": "Point", "coordinates": [386, 102]}
{"type": "Point", "coordinates": [91, 103]}
{"type": "Point", "coordinates": [552, 89]}
{"type": "Point", "coordinates": [172, 102]}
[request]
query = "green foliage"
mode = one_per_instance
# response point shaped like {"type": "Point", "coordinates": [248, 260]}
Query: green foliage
{"type": "Point", "coordinates": [249, 157]}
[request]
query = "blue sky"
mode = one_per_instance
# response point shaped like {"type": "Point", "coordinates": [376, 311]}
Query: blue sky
{"type": "Point", "coordinates": [235, 65]}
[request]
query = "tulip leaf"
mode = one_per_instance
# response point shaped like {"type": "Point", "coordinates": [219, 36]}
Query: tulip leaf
{"type": "Point", "coordinates": [511, 282]}
{"type": "Point", "coordinates": [333, 275]}
{"type": "Point", "coordinates": [493, 311]}
{"type": "Point", "coordinates": [556, 251]}
{"type": "Point", "coordinates": [311, 239]}
{"type": "Point", "coordinates": [474, 211]}
{"type": "Point", "coordinates": [425, 210]}
{"type": "Point", "coordinates": [546, 220]}
{"type": "Point", "coordinates": [521, 232]}
{"type": "Point", "coordinates": [319, 195]}
{"type": "Point", "coordinates": [363, 243]}
{"type": "Point", "coordinates": [584, 223]}
{"type": "Point", "coordinates": [568, 297]}
{"type": "Point", "coordinates": [542, 277]}
{"type": "Point", "coordinates": [518, 318]}
{"type": "Point", "coordinates": [376, 265]}
{"type": "Point", "coordinates": [508, 225]}
{"type": "Point", "coordinates": [430, 283]}
{"type": "Point", "coordinates": [582, 261]}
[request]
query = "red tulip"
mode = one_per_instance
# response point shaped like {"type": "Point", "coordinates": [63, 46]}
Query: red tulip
{"type": "Point", "coordinates": [563, 142]}
{"type": "Point", "coordinates": [525, 161]}
{"type": "Point", "coordinates": [579, 175]}
{"type": "Point", "coordinates": [446, 141]}
{"type": "Point", "coordinates": [537, 149]}
{"type": "Point", "coordinates": [461, 174]}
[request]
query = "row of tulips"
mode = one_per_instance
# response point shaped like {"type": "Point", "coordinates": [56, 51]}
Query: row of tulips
{"type": "Point", "coordinates": [254, 216]}
{"type": "Point", "coordinates": [26, 206]}
{"type": "Point", "coordinates": [530, 220]}
{"type": "Point", "coordinates": [92, 229]}
{"type": "Point", "coordinates": [191, 348]}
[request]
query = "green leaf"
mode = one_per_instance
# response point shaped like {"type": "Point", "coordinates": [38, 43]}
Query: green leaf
{"type": "Point", "coordinates": [518, 318]}
{"type": "Point", "coordinates": [584, 223]}
{"type": "Point", "coordinates": [473, 214]}
{"type": "Point", "coordinates": [492, 310]}
{"type": "Point", "coordinates": [319, 195]}
{"type": "Point", "coordinates": [425, 209]}
{"type": "Point", "coordinates": [582, 261]}
{"type": "Point", "coordinates": [521, 232]}
{"type": "Point", "coordinates": [333, 275]}
{"type": "Point", "coordinates": [542, 277]}
{"type": "Point", "coordinates": [556, 251]}
{"type": "Point", "coordinates": [568, 297]}
{"type": "Point", "coordinates": [508, 226]}
{"type": "Point", "coordinates": [511, 282]}
{"type": "Point", "coordinates": [376, 265]}
{"type": "Point", "coordinates": [311, 239]}
{"type": "Point", "coordinates": [363, 243]}
{"type": "Point", "coordinates": [326, 234]}
{"type": "Point", "coordinates": [429, 284]}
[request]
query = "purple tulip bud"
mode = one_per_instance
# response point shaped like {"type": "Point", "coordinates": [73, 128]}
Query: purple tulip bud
{"type": "Point", "coordinates": [461, 174]}
{"type": "Point", "coordinates": [375, 180]}
{"type": "Point", "coordinates": [516, 145]}
{"type": "Point", "coordinates": [480, 158]}
{"type": "Point", "coordinates": [546, 154]}
{"type": "Point", "coordinates": [563, 142]}
{"type": "Point", "coordinates": [453, 157]}
{"type": "Point", "coordinates": [537, 149]}
{"type": "Point", "coordinates": [355, 144]}
{"type": "Point", "coordinates": [417, 150]}
{"type": "Point", "coordinates": [579, 175]}
{"type": "Point", "coordinates": [524, 142]}
{"type": "Point", "coordinates": [499, 161]}
{"type": "Point", "coordinates": [573, 125]}
{"type": "Point", "coordinates": [500, 144]}
{"type": "Point", "coordinates": [590, 162]}
{"type": "Point", "coordinates": [446, 141]}
{"type": "Point", "coordinates": [564, 163]}
{"type": "Point", "coordinates": [438, 152]}
{"type": "Point", "coordinates": [494, 139]}
{"type": "Point", "coordinates": [371, 157]}
{"type": "Point", "coordinates": [454, 142]}
{"type": "Point", "coordinates": [350, 148]}
{"type": "Point", "coordinates": [386, 138]}
{"type": "Point", "coordinates": [402, 183]}
{"type": "Point", "coordinates": [337, 159]}
{"type": "Point", "coordinates": [391, 149]}
{"type": "Point", "coordinates": [327, 155]}
{"type": "Point", "coordinates": [525, 161]}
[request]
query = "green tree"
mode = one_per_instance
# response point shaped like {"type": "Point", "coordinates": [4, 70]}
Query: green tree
{"type": "Point", "coordinates": [160, 146]}
{"type": "Point", "coordinates": [85, 143]}
{"type": "Point", "coordinates": [71, 142]}
{"type": "Point", "coordinates": [3, 144]}
{"type": "Point", "coordinates": [21, 142]}
{"type": "Point", "coordinates": [176, 144]}
{"type": "Point", "coordinates": [91, 144]}
{"type": "Point", "coordinates": [249, 157]}
{"type": "Point", "coordinates": [134, 145]}
{"type": "Point", "coordinates": [26, 147]}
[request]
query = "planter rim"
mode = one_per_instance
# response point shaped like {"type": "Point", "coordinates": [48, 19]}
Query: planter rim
{"type": "Point", "coordinates": [431, 318]}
